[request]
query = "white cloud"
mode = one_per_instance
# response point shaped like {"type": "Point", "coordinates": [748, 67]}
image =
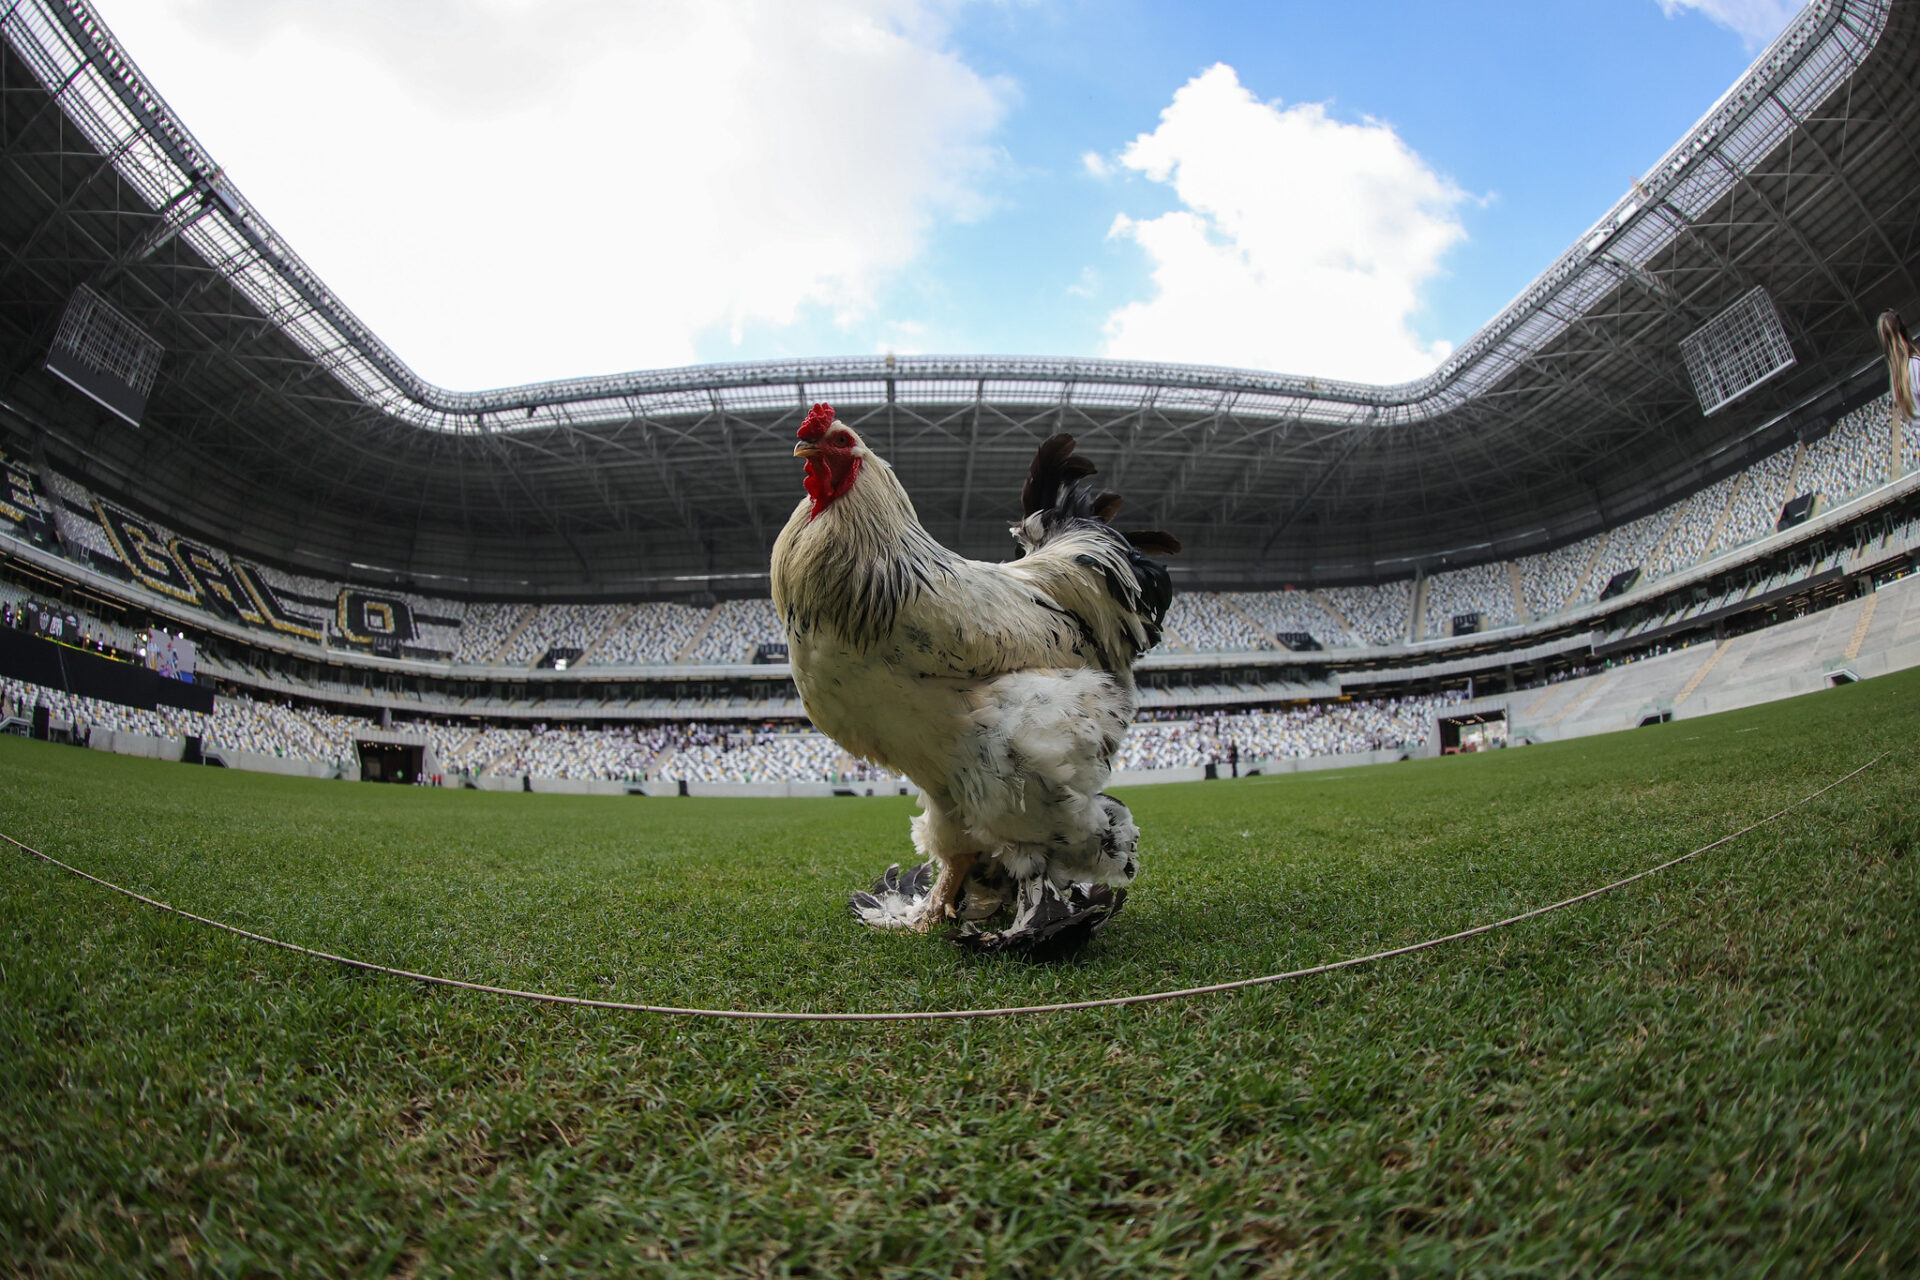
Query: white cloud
{"type": "Point", "coordinates": [1755, 21]}
{"type": "Point", "coordinates": [510, 190]}
{"type": "Point", "coordinates": [1096, 165]}
{"type": "Point", "coordinates": [1301, 245]}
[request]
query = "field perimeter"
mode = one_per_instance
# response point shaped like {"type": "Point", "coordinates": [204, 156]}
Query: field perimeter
{"type": "Point", "coordinates": [1711, 1072]}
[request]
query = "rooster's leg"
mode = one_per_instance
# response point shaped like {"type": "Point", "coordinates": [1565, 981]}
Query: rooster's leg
{"type": "Point", "coordinates": [954, 869]}
{"type": "Point", "coordinates": [913, 899]}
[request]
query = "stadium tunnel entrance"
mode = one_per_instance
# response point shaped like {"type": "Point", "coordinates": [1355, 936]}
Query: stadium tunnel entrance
{"type": "Point", "coordinates": [1481, 731]}
{"type": "Point", "coordinates": [389, 762]}
{"type": "Point", "coordinates": [387, 756]}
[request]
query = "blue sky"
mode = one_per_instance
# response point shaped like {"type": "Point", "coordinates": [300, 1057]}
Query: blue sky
{"type": "Point", "coordinates": [514, 190]}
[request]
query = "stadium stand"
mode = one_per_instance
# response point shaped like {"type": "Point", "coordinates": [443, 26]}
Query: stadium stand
{"type": "Point", "coordinates": [718, 752]}
{"type": "Point", "coordinates": [1484, 589]}
{"type": "Point", "coordinates": [1695, 523]}
{"type": "Point", "coordinates": [308, 733]}
{"type": "Point", "coordinates": [485, 630]}
{"type": "Point", "coordinates": [1379, 615]}
{"type": "Point", "coordinates": [1293, 613]}
{"type": "Point", "coordinates": [566, 628]}
{"type": "Point", "coordinates": [654, 634]}
{"type": "Point", "coordinates": [621, 754]}
{"type": "Point", "coordinates": [1322, 729]}
{"type": "Point", "coordinates": [736, 630]}
{"type": "Point", "coordinates": [1202, 620]}
{"type": "Point", "coordinates": [1755, 508]}
{"type": "Point", "coordinates": [1628, 547]}
{"type": "Point", "coordinates": [73, 517]}
{"type": "Point", "coordinates": [1556, 579]}
{"type": "Point", "coordinates": [1851, 459]}
{"type": "Point", "coordinates": [714, 753]}
{"type": "Point", "coordinates": [83, 713]}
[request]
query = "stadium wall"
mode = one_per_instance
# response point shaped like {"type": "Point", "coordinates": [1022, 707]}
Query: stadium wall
{"type": "Point", "coordinates": [125, 743]}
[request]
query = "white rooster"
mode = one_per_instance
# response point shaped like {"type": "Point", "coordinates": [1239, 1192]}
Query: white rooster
{"type": "Point", "coordinates": [1002, 690]}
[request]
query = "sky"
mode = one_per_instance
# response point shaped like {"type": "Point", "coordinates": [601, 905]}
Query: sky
{"type": "Point", "coordinates": [512, 191]}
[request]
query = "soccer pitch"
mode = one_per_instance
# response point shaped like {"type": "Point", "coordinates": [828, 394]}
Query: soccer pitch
{"type": "Point", "coordinates": [1710, 1072]}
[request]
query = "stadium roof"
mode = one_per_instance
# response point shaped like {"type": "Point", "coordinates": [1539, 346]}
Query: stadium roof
{"type": "Point", "coordinates": [280, 425]}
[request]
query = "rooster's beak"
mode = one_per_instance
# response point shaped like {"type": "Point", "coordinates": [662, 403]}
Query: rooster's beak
{"type": "Point", "coordinates": [805, 450]}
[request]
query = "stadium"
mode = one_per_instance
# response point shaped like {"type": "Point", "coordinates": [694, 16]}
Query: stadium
{"type": "Point", "coordinates": [1662, 499]}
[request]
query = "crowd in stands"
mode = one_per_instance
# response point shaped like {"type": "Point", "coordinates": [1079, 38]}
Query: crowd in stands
{"type": "Point", "coordinates": [84, 714]}
{"type": "Point", "coordinates": [1558, 578]}
{"type": "Point", "coordinates": [1855, 456]}
{"type": "Point", "coordinates": [705, 752]}
{"type": "Point", "coordinates": [1755, 507]}
{"type": "Point", "coordinates": [1316, 729]}
{"type": "Point", "coordinates": [484, 631]}
{"type": "Point", "coordinates": [737, 629]}
{"type": "Point", "coordinates": [559, 626]}
{"type": "Point", "coordinates": [1485, 589]}
{"type": "Point", "coordinates": [721, 753]}
{"type": "Point", "coordinates": [1851, 457]}
{"type": "Point", "coordinates": [1378, 615]}
{"type": "Point", "coordinates": [1294, 613]}
{"type": "Point", "coordinates": [1206, 621]}
{"type": "Point", "coordinates": [655, 634]}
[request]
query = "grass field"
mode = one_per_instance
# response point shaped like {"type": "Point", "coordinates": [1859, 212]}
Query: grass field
{"type": "Point", "coordinates": [1713, 1072]}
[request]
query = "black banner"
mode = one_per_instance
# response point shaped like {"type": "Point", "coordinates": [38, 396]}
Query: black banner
{"type": "Point", "coordinates": [90, 675]}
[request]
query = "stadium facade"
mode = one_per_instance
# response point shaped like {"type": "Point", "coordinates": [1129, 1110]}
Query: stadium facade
{"type": "Point", "coordinates": [1678, 428]}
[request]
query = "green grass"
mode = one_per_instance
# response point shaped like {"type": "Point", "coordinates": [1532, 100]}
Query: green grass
{"type": "Point", "coordinates": [1712, 1072]}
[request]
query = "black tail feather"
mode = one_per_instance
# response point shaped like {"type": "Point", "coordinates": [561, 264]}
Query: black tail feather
{"type": "Point", "coordinates": [1051, 477]}
{"type": "Point", "coordinates": [1153, 541]}
{"type": "Point", "coordinates": [1053, 485]}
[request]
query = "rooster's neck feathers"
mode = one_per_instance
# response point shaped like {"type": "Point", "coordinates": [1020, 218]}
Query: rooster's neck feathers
{"type": "Point", "coordinates": [853, 565]}
{"type": "Point", "coordinates": [850, 569]}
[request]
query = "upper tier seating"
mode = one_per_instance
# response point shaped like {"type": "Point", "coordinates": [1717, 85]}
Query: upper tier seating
{"type": "Point", "coordinates": [1856, 456]}
{"type": "Point", "coordinates": [1293, 613]}
{"type": "Point", "coordinates": [655, 634]}
{"type": "Point", "coordinates": [1484, 589]}
{"type": "Point", "coordinates": [1202, 620]}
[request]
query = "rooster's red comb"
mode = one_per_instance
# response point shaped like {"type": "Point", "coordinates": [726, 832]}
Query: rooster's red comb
{"type": "Point", "coordinates": [819, 418]}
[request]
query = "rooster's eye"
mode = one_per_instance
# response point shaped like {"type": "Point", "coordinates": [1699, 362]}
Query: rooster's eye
{"type": "Point", "coordinates": [839, 437]}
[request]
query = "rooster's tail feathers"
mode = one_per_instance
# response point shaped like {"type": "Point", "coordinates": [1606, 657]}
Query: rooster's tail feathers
{"type": "Point", "coordinates": [1054, 475]}
{"type": "Point", "coordinates": [1155, 542]}
{"type": "Point", "coordinates": [1056, 501]}
{"type": "Point", "coordinates": [1055, 493]}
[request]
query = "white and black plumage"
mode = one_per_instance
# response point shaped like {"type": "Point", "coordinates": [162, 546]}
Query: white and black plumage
{"type": "Point", "coordinates": [1002, 690]}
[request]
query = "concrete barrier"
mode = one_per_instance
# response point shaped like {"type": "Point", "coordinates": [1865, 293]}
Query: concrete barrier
{"type": "Point", "coordinates": [128, 743]}
{"type": "Point", "coordinates": [260, 762]}
{"type": "Point", "coordinates": [1150, 777]}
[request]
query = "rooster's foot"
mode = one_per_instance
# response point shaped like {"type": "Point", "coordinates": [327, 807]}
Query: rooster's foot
{"type": "Point", "coordinates": [898, 899]}
{"type": "Point", "coordinates": [1057, 929]}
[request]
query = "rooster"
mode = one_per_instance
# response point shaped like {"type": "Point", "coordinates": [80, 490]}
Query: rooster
{"type": "Point", "coordinates": [1002, 690]}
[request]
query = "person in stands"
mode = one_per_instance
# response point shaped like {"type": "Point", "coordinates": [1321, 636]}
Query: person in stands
{"type": "Point", "coordinates": [1903, 365]}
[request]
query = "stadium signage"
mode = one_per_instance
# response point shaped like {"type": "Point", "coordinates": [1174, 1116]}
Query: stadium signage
{"type": "Point", "coordinates": [231, 588]}
{"type": "Point", "coordinates": [17, 502]}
